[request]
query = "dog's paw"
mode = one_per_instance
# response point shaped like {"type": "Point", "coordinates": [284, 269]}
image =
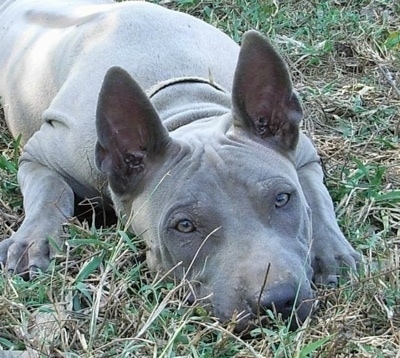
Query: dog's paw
{"type": "Point", "coordinates": [332, 259]}
{"type": "Point", "coordinates": [24, 256]}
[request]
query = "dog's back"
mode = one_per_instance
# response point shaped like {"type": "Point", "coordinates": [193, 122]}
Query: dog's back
{"type": "Point", "coordinates": [83, 41]}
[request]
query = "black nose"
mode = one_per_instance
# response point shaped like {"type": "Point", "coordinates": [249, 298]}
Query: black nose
{"type": "Point", "coordinates": [286, 301]}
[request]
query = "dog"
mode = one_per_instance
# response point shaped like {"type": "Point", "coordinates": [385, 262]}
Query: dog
{"type": "Point", "coordinates": [194, 140]}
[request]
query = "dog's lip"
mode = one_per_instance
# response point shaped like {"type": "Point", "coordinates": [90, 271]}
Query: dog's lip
{"type": "Point", "coordinates": [250, 322]}
{"type": "Point", "coordinates": [247, 320]}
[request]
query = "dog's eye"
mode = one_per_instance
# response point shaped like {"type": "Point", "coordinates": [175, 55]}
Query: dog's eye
{"type": "Point", "coordinates": [185, 226]}
{"type": "Point", "coordinates": [281, 199]}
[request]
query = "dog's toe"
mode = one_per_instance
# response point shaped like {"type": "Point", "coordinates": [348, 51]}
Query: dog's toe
{"type": "Point", "coordinates": [24, 257]}
{"type": "Point", "coordinates": [328, 267]}
{"type": "Point", "coordinates": [4, 245]}
{"type": "Point", "coordinates": [17, 258]}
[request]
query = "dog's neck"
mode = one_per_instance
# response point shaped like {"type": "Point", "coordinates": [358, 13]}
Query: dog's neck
{"type": "Point", "coordinates": [181, 101]}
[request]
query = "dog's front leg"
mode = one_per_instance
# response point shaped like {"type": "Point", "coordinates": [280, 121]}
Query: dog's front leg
{"type": "Point", "coordinates": [330, 251]}
{"type": "Point", "coordinates": [48, 203]}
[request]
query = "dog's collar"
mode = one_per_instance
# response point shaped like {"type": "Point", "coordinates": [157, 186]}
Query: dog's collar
{"type": "Point", "coordinates": [152, 91]}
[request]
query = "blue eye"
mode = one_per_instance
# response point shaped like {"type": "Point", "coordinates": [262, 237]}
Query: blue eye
{"type": "Point", "coordinates": [281, 199]}
{"type": "Point", "coordinates": [185, 226]}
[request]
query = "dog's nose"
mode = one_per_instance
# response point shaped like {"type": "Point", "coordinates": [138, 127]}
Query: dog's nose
{"type": "Point", "coordinates": [284, 300]}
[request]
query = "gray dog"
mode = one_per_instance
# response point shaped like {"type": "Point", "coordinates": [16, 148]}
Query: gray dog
{"type": "Point", "coordinates": [195, 140]}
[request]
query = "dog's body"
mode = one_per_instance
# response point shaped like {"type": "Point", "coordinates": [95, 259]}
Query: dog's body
{"type": "Point", "coordinates": [241, 178]}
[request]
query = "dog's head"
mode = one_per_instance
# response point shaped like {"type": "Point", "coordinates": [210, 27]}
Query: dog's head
{"type": "Point", "coordinates": [224, 203]}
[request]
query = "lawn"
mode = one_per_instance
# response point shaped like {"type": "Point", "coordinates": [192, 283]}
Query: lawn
{"type": "Point", "coordinates": [99, 300]}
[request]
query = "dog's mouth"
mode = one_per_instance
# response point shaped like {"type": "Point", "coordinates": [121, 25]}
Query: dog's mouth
{"type": "Point", "coordinates": [265, 318]}
{"type": "Point", "coordinates": [255, 316]}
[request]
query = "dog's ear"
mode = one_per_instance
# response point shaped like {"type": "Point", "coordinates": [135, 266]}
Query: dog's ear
{"type": "Point", "coordinates": [129, 131]}
{"type": "Point", "coordinates": [262, 95]}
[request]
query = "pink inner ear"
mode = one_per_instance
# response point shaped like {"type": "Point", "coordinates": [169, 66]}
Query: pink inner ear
{"type": "Point", "coordinates": [128, 127]}
{"type": "Point", "coordinates": [127, 111]}
{"type": "Point", "coordinates": [129, 115]}
{"type": "Point", "coordinates": [262, 96]}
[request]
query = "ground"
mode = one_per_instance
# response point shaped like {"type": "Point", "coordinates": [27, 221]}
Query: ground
{"type": "Point", "coordinates": [99, 300]}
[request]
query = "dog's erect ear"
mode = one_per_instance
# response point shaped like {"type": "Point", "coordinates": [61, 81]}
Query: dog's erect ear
{"type": "Point", "coordinates": [262, 96]}
{"type": "Point", "coordinates": [129, 131]}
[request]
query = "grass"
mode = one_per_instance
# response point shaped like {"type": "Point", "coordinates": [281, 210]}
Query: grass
{"type": "Point", "coordinates": [99, 300]}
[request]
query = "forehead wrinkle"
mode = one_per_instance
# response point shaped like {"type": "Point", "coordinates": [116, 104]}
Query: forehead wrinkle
{"type": "Point", "coordinates": [212, 156]}
{"type": "Point", "coordinates": [228, 164]}
{"type": "Point", "coordinates": [256, 159]}
{"type": "Point", "coordinates": [203, 169]}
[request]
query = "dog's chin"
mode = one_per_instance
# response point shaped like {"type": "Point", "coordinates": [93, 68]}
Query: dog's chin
{"type": "Point", "coordinates": [250, 322]}
{"type": "Point", "coordinates": [247, 324]}
{"type": "Point", "coordinates": [249, 329]}
{"type": "Point", "coordinates": [247, 321]}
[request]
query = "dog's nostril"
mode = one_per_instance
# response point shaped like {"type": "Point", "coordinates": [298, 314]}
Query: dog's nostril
{"type": "Point", "coordinates": [289, 305]}
{"type": "Point", "coordinates": [292, 304]}
{"type": "Point", "coordinates": [286, 301]}
{"type": "Point", "coordinates": [283, 306]}
{"type": "Point", "coordinates": [282, 300]}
